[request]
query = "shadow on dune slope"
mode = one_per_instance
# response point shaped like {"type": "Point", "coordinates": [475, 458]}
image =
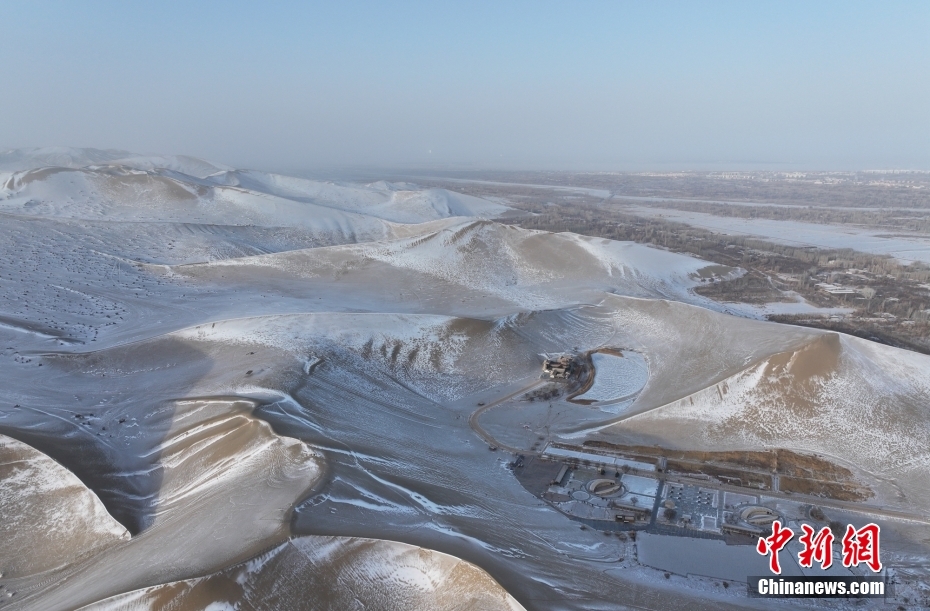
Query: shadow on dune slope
{"type": "Point", "coordinates": [323, 573]}
{"type": "Point", "coordinates": [102, 420]}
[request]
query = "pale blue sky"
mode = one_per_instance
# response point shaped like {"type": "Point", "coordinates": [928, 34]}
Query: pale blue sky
{"type": "Point", "coordinates": [574, 85]}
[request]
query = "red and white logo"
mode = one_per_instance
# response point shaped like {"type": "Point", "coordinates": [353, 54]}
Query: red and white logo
{"type": "Point", "coordinates": [859, 546]}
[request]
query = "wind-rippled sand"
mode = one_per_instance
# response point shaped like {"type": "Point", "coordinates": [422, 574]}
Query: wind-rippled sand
{"type": "Point", "coordinates": [227, 389]}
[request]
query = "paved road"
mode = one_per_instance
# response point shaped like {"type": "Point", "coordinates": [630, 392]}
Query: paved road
{"type": "Point", "coordinates": [473, 419]}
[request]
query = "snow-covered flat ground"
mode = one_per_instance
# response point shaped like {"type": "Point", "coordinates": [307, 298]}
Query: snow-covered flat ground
{"type": "Point", "coordinates": [636, 484]}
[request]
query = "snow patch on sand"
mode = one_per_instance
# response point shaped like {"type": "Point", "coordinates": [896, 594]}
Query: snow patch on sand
{"type": "Point", "coordinates": [39, 495]}
{"type": "Point", "coordinates": [616, 377]}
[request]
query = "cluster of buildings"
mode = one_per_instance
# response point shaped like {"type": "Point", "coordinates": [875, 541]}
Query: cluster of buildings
{"type": "Point", "coordinates": [559, 368]}
{"type": "Point", "coordinates": [837, 289]}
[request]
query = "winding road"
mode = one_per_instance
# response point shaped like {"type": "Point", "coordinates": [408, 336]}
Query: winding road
{"type": "Point", "coordinates": [491, 441]}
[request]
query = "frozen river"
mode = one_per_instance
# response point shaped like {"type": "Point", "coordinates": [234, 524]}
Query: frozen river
{"type": "Point", "coordinates": [904, 247]}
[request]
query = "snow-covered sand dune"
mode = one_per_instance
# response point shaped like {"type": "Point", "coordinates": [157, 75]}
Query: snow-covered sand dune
{"type": "Point", "coordinates": [17, 160]}
{"type": "Point", "coordinates": [216, 361]}
{"type": "Point", "coordinates": [862, 403]}
{"type": "Point", "coordinates": [481, 261]}
{"type": "Point", "coordinates": [38, 495]}
{"type": "Point", "coordinates": [210, 485]}
{"type": "Point", "coordinates": [398, 202]}
{"type": "Point", "coordinates": [161, 189]}
{"type": "Point", "coordinates": [330, 573]}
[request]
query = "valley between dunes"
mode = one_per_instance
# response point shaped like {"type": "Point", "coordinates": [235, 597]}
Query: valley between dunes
{"type": "Point", "coordinates": [228, 389]}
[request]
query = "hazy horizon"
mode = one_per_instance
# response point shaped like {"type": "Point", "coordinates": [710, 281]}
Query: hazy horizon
{"type": "Point", "coordinates": [525, 86]}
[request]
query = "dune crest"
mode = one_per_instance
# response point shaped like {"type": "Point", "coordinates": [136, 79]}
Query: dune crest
{"type": "Point", "coordinates": [38, 495]}
{"type": "Point", "coordinates": [330, 573]}
{"type": "Point", "coordinates": [835, 395]}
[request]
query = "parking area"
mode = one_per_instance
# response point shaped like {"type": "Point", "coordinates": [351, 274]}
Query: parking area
{"type": "Point", "coordinates": [694, 506]}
